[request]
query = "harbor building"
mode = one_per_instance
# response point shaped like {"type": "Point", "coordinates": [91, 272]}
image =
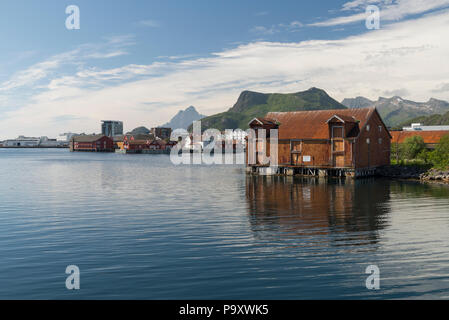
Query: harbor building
{"type": "Point", "coordinates": [23, 142]}
{"type": "Point", "coordinates": [92, 143]}
{"type": "Point", "coordinates": [347, 142]}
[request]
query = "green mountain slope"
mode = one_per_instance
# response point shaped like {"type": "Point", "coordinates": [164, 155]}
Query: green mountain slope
{"type": "Point", "coordinates": [433, 120]}
{"type": "Point", "coordinates": [254, 104]}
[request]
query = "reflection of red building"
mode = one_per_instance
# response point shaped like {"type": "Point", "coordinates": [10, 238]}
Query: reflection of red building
{"type": "Point", "coordinates": [92, 143]}
{"type": "Point", "coordinates": [309, 207]}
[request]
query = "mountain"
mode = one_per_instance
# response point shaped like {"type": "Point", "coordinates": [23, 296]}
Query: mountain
{"type": "Point", "coordinates": [396, 110]}
{"type": "Point", "coordinates": [183, 119]}
{"type": "Point", "coordinates": [433, 120]}
{"type": "Point", "coordinates": [357, 103]}
{"type": "Point", "coordinates": [140, 130]}
{"type": "Point", "coordinates": [254, 104]}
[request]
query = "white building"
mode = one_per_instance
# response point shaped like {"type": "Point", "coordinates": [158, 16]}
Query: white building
{"type": "Point", "coordinates": [22, 141]}
{"type": "Point", "coordinates": [34, 142]}
{"type": "Point", "coordinates": [419, 127]}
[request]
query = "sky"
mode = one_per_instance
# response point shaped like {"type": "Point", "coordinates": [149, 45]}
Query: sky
{"type": "Point", "coordinates": [141, 61]}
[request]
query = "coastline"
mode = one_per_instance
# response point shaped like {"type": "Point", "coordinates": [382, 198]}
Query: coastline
{"type": "Point", "coordinates": [49, 147]}
{"type": "Point", "coordinates": [417, 173]}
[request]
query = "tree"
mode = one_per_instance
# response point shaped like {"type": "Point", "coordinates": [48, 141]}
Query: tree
{"type": "Point", "coordinates": [412, 147]}
{"type": "Point", "coordinates": [440, 156]}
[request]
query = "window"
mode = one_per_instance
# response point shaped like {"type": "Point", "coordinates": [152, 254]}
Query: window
{"type": "Point", "coordinates": [367, 127]}
{"type": "Point", "coordinates": [380, 140]}
{"type": "Point", "coordinates": [368, 140]}
{"type": "Point", "coordinates": [380, 128]}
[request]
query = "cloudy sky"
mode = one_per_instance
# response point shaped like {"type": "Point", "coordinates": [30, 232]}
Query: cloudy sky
{"type": "Point", "coordinates": [142, 61]}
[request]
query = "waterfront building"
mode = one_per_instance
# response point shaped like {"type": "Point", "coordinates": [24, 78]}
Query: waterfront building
{"type": "Point", "coordinates": [111, 128]}
{"type": "Point", "coordinates": [92, 143]}
{"type": "Point", "coordinates": [347, 142]}
{"type": "Point", "coordinates": [157, 144]}
{"type": "Point", "coordinates": [23, 142]}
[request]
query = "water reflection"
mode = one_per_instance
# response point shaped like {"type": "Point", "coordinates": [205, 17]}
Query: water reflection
{"type": "Point", "coordinates": [335, 212]}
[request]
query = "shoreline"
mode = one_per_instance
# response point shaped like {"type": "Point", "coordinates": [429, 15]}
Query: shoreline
{"type": "Point", "coordinates": [415, 173]}
{"type": "Point", "coordinates": [5, 147]}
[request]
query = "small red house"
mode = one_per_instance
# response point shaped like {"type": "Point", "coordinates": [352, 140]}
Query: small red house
{"type": "Point", "coordinates": [92, 143]}
{"type": "Point", "coordinates": [137, 145]}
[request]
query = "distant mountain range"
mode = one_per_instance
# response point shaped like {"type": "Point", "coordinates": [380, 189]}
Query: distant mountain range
{"type": "Point", "coordinates": [254, 104]}
{"type": "Point", "coordinates": [184, 118]}
{"type": "Point", "coordinates": [396, 111]}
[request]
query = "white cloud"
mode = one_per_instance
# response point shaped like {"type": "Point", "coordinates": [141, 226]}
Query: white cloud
{"type": "Point", "coordinates": [276, 28]}
{"type": "Point", "coordinates": [410, 56]}
{"type": "Point", "coordinates": [390, 10]}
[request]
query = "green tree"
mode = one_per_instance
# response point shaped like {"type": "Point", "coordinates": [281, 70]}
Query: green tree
{"type": "Point", "coordinates": [412, 147]}
{"type": "Point", "coordinates": [440, 156]}
{"type": "Point", "coordinates": [424, 156]}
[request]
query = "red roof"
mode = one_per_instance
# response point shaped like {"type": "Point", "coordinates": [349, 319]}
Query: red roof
{"type": "Point", "coordinates": [313, 124]}
{"type": "Point", "coordinates": [429, 137]}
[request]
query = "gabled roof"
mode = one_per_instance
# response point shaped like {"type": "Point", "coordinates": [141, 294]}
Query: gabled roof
{"type": "Point", "coordinates": [264, 121]}
{"type": "Point", "coordinates": [342, 118]}
{"type": "Point", "coordinates": [314, 124]}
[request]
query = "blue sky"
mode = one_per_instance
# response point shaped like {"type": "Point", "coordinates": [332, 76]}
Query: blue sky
{"type": "Point", "coordinates": [142, 61]}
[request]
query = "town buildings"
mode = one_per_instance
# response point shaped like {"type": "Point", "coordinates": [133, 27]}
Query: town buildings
{"type": "Point", "coordinates": [161, 133]}
{"type": "Point", "coordinates": [111, 128]}
{"type": "Point", "coordinates": [348, 142]}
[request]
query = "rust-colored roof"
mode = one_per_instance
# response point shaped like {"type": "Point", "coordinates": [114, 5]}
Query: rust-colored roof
{"type": "Point", "coordinates": [137, 142]}
{"type": "Point", "coordinates": [88, 138]}
{"type": "Point", "coordinates": [429, 137]}
{"type": "Point", "coordinates": [313, 124]}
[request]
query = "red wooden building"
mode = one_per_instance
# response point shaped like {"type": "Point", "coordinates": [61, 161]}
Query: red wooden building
{"type": "Point", "coordinates": [430, 138]}
{"type": "Point", "coordinates": [355, 141]}
{"type": "Point", "coordinates": [92, 143]}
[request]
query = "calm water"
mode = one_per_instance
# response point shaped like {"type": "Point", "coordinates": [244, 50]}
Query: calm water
{"type": "Point", "coordinates": [138, 227]}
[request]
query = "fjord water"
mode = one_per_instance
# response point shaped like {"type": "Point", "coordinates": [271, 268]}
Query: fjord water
{"type": "Point", "coordinates": [139, 227]}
